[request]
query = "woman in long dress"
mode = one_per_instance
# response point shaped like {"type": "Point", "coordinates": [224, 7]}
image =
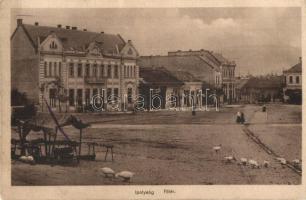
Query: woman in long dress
{"type": "Point", "coordinates": [238, 118]}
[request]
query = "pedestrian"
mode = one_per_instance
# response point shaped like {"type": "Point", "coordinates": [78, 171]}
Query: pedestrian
{"type": "Point", "coordinates": [238, 118]}
{"type": "Point", "coordinates": [242, 120]}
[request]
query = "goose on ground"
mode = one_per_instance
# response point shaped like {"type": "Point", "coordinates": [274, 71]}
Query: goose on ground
{"type": "Point", "coordinates": [282, 161]}
{"type": "Point", "coordinates": [266, 163]}
{"type": "Point", "coordinates": [253, 163]}
{"type": "Point", "coordinates": [125, 175]}
{"type": "Point", "coordinates": [30, 159]}
{"type": "Point", "coordinates": [243, 161]}
{"type": "Point", "coordinates": [107, 171]}
{"type": "Point", "coordinates": [229, 159]}
{"type": "Point", "coordinates": [217, 148]}
{"type": "Point", "coordinates": [23, 158]}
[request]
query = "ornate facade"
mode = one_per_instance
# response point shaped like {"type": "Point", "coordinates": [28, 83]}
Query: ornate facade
{"type": "Point", "coordinates": [75, 64]}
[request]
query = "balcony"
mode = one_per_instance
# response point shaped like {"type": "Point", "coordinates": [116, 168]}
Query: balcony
{"type": "Point", "coordinates": [100, 80]}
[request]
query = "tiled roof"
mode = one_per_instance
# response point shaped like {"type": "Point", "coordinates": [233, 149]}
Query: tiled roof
{"type": "Point", "coordinates": [193, 64]}
{"type": "Point", "coordinates": [220, 57]}
{"type": "Point", "coordinates": [240, 83]}
{"type": "Point", "coordinates": [158, 76]}
{"type": "Point", "coordinates": [264, 83]}
{"type": "Point", "coordinates": [184, 76]}
{"type": "Point", "coordinates": [75, 39]}
{"type": "Point", "coordinates": [295, 69]}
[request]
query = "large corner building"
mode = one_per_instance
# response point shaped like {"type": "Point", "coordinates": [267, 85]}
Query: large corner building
{"type": "Point", "coordinates": [86, 63]}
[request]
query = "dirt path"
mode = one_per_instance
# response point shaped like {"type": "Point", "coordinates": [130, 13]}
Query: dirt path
{"type": "Point", "coordinates": [167, 154]}
{"type": "Point", "coordinates": [260, 117]}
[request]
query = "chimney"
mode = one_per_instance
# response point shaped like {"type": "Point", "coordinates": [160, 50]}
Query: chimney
{"type": "Point", "coordinates": [74, 28]}
{"type": "Point", "coordinates": [67, 27]}
{"type": "Point", "coordinates": [84, 29]}
{"type": "Point", "coordinates": [59, 26]}
{"type": "Point", "coordinates": [36, 24]}
{"type": "Point", "coordinates": [19, 22]}
{"type": "Point", "coordinates": [300, 59]}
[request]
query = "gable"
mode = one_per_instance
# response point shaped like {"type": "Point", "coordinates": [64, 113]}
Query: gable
{"type": "Point", "coordinates": [21, 45]}
{"type": "Point", "coordinates": [51, 43]}
{"type": "Point", "coordinates": [129, 51]}
{"type": "Point", "coordinates": [95, 49]}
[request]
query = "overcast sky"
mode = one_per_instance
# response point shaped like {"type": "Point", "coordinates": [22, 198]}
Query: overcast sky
{"type": "Point", "coordinates": [261, 40]}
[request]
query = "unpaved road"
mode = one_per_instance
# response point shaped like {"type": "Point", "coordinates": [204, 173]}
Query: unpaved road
{"type": "Point", "coordinates": [174, 153]}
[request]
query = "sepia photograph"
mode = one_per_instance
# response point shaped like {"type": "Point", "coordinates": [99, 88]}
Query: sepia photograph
{"type": "Point", "coordinates": [156, 96]}
{"type": "Point", "coordinates": [152, 97]}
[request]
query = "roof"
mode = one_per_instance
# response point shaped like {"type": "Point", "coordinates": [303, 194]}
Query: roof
{"type": "Point", "coordinates": [193, 64]}
{"type": "Point", "coordinates": [240, 83]}
{"type": "Point", "coordinates": [75, 39]}
{"type": "Point", "coordinates": [295, 69]}
{"type": "Point", "coordinates": [158, 76]}
{"type": "Point", "coordinates": [264, 83]}
{"type": "Point", "coordinates": [220, 57]}
{"type": "Point", "coordinates": [184, 76]}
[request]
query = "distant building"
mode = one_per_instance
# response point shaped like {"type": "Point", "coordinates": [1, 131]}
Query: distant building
{"type": "Point", "coordinates": [220, 63]}
{"type": "Point", "coordinates": [195, 65]}
{"type": "Point", "coordinates": [293, 84]}
{"type": "Point", "coordinates": [177, 89]}
{"type": "Point", "coordinates": [86, 63]}
{"type": "Point", "coordinates": [259, 89]}
{"type": "Point", "coordinates": [155, 85]}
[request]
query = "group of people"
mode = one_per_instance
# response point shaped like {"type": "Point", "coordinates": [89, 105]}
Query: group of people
{"type": "Point", "coordinates": [240, 118]}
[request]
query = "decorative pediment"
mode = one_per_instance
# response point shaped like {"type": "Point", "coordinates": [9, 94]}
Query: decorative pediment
{"type": "Point", "coordinates": [51, 43]}
{"type": "Point", "coordinates": [95, 49]}
{"type": "Point", "coordinates": [129, 50]}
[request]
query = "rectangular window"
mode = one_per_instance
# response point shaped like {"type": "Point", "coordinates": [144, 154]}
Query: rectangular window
{"type": "Point", "coordinates": [102, 71]}
{"type": "Point", "coordinates": [87, 96]}
{"type": "Point", "coordinates": [94, 91]}
{"type": "Point", "coordinates": [55, 69]}
{"type": "Point", "coordinates": [52, 97]}
{"type": "Point", "coordinates": [87, 70]}
{"type": "Point", "coordinates": [60, 69]}
{"type": "Point", "coordinates": [109, 71]}
{"type": "Point", "coordinates": [116, 71]}
{"type": "Point", "coordinates": [129, 95]}
{"type": "Point", "coordinates": [80, 74]}
{"type": "Point", "coordinates": [124, 71]}
{"type": "Point", "coordinates": [71, 70]}
{"type": "Point", "coordinates": [132, 71]}
{"type": "Point", "coordinates": [71, 97]}
{"type": "Point", "coordinates": [297, 80]}
{"type": "Point", "coordinates": [79, 97]}
{"type": "Point", "coordinates": [108, 93]}
{"type": "Point", "coordinates": [95, 70]}
{"type": "Point", "coordinates": [50, 68]}
{"type": "Point", "coordinates": [116, 92]}
{"type": "Point", "coordinates": [45, 69]}
{"type": "Point", "coordinates": [290, 79]}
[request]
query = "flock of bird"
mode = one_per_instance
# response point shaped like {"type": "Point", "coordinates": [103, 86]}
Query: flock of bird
{"type": "Point", "coordinates": [253, 163]}
{"type": "Point", "coordinates": [124, 175]}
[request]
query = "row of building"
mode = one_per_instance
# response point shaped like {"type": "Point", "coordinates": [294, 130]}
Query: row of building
{"type": "Point", "coordinates": [50, 62]}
